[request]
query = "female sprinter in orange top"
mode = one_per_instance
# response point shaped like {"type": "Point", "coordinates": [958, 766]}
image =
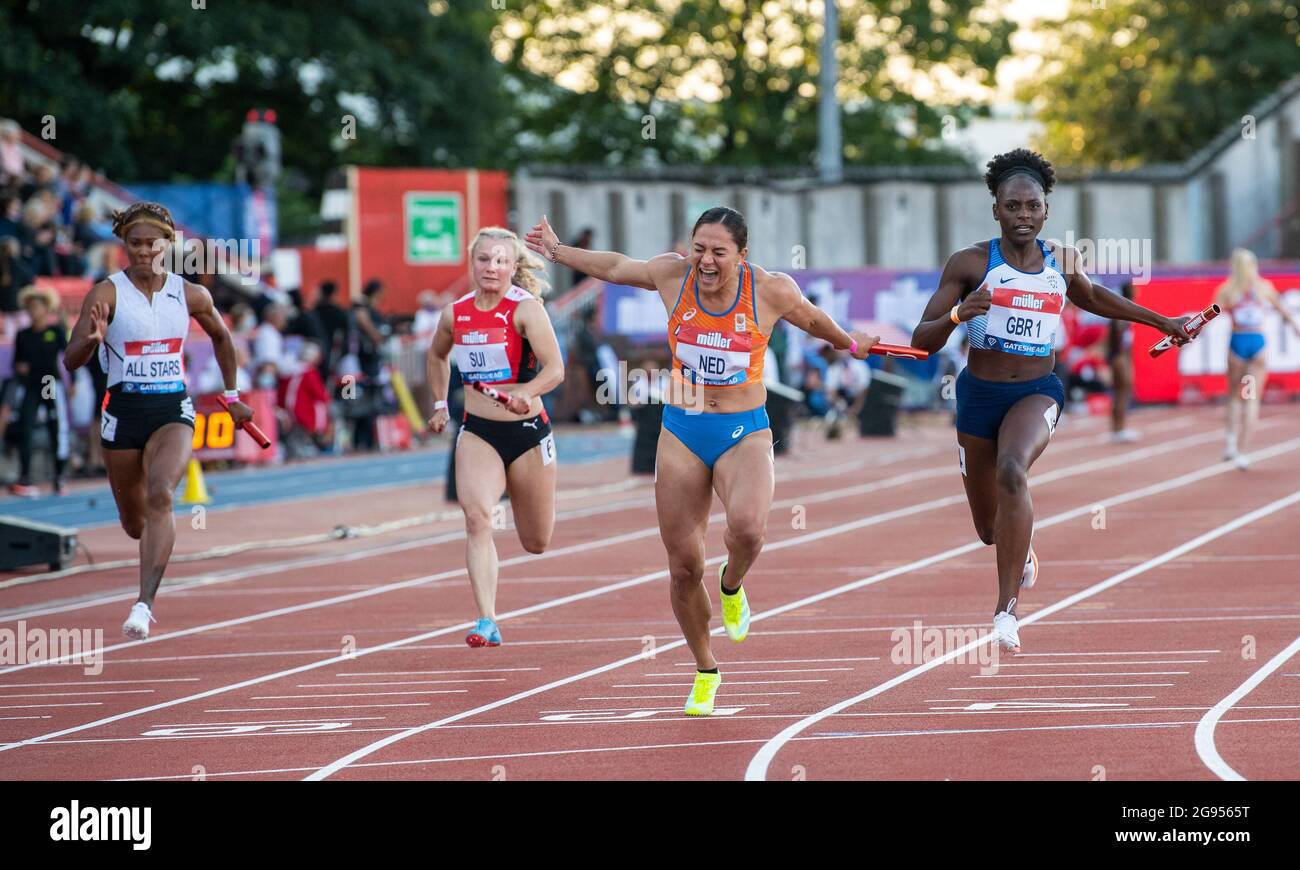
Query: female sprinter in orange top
{"type": "Point", "coordinates": [715, 437]}
{"type": "Point", "coordinates": [499, 332]}
{"type": "Point", "coordinates": [137, 320]}
{"type": "Point", "coordinates": [1011, 290]}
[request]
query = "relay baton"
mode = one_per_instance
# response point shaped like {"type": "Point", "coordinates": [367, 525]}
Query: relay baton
{"type": "Point", "coordinates": [249, 426]}
{"type": "Point", "coordinates": [1193, 326]}
{"type": "Point", "coordinates": [492, 393]}
{"type": "Point", "coordinates": [900, 350]}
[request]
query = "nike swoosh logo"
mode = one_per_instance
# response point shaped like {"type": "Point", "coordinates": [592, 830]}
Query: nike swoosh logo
{"type": "Point", "coordinates": [1005, 280]}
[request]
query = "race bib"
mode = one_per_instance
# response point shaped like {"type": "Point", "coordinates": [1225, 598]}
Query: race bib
{"type": "Point", "coordinates": [107, 426]}
{"type": "Point", "coordinates": [713, 357]}
{"type": "Point", "coordinates": [1022, 322]}
{"type": "Point", "coordinates": [548, 449]}
{"type": "Point", "coordinates": [481, 355]}
{"type": "Point", "coordinates": [153, 367]}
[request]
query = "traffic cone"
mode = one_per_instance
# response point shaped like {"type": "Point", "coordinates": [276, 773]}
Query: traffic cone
{"type": "Point", "coordinates": [196, 491]}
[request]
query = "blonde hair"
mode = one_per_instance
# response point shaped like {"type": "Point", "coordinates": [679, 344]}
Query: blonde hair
{"type": "Point", "coordinates": [48, 295]}
{"type": "Point", "coordinates": [530, 270]}
{"type": "Point", "coordinates": [1244, 275]}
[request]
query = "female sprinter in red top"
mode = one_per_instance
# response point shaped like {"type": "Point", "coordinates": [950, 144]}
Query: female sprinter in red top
{"type": "Point", "coordinates": [137, 320]}
{"type": "Point", "coordinates": [715, 437]}
{"type": "Point", "coordinates": [499, 332]}
{"type": "Point", "coordinates": [1010, 291]}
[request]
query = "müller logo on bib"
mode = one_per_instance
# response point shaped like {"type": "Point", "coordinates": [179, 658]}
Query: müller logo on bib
{"type": "Point", "coordinates": [1027, 301]}
{"type": "Point", "coordinates": [149, 348]}
{"type": "Point", "coordinates": [713, 339]}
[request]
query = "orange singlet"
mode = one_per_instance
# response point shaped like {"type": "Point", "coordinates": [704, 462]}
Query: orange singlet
{"type": "Point", "coordinates": [723, 349]}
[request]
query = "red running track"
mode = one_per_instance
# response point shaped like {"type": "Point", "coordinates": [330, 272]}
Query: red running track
{"type": "Point", "coordinates": [1159, 643]}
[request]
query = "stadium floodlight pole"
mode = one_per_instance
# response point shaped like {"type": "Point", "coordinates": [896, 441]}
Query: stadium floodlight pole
{"type": "Point", "coordinates": [829, 151]}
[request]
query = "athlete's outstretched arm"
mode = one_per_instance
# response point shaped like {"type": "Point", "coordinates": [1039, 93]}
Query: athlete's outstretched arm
{"type": "Point", "coordinates": [961, 271]}
{"type": "Point", "coordinates": [438, 369]}
{"type": "Point", "coordinates": [1098, 300]}
{"type": "Point", "coordinates": [91, 326]}
{"type": "Point", "coordinates": [793, 306]}
{"type": "Point", "coordinates": [608, 266]}
{"type": "Point", "coordinates": [202, 310]}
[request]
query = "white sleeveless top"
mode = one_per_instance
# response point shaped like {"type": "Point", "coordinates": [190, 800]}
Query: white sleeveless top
{"type": "Point", "coordinates": [1248, 313]}
{"type": "Point", "coordinates": [1026, 309]}
{"type": "Point", "coordinates": [142, 347]}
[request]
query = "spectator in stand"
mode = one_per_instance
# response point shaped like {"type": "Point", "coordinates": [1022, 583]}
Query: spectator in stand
{"type": "Point", "coordinates": [13, 168]}
{"type": "Point", "coordinates": [334, 320]}
{"type": "Point", "coordinates": [426, 317]}
{"type": "Point", "coordinates": [305, 321]}
{"type": "Point", "coordinates": [269, 359]}
{"type": "Point", "coordinates": [38, 352]}
{"type": "Point", "coordinates": [366, 342]}
{"type": "Point", "coordinates": [11, 217]}
{"type": "Point", "coordinates": [15, 274]}
{"type": "Point", "coordinates": [39, 235]}
{"type": "Point", "coordinates": [306, 404]}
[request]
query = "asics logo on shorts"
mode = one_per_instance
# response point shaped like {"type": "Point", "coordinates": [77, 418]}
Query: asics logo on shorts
{"type": "Point", "coordinates": [736, 434]}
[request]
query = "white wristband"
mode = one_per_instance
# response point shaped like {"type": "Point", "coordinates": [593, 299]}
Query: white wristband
{"type": "Point", "coordinates": [231, 395]}
{"type": "Point", "coordinates": [440, 405]}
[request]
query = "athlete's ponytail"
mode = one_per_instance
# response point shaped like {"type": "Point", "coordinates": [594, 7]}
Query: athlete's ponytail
{"type": "Point", "coordinates": [530, 270]}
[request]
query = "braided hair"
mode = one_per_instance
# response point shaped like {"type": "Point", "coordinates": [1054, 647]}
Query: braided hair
{"type": "Point", "coordinates": [151, 213]}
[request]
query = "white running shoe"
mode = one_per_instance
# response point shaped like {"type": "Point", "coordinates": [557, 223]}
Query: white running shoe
{"type": "Point", "coordinates": [1030, 575]}
{"type": "Point", "coordinates": [136, 626]}
{"type": "Point", "coordinates": [1241, 460]}
{"type": "Point", "coordinates": [1007, 629]}
{"type": "Point", "coordinates": [1230, 448]}
{"type": "Point", "coordinates": [1125, 436]}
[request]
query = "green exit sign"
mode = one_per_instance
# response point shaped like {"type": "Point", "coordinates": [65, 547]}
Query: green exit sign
{"type": "Point", "coordinates": [434, 231]}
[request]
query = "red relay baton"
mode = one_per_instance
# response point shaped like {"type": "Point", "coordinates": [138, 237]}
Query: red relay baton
{"type": "Point", "coordinates": [1193, 326]}
{"type": "Point", "coordinates": [900, 350]}
{"type": "Point", "coordinates": [492, 393]}
{"type": "Point", "coordinates": [249, 426]}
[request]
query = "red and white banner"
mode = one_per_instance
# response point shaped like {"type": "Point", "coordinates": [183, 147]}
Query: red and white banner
{"type": "Point", "coordinates": [1198, 371]}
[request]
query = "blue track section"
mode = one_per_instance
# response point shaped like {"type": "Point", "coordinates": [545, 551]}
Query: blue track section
{"type": "Point", "coordinates": [321, 478]}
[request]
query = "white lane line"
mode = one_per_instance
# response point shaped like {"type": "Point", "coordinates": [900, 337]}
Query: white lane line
{"type": "Point", "coordinates": [1108, 653]}
{"type": "Point", "coordinates": [419, 673]}
{"type": "Point", "coordinates": [1099, 664]}
{"type": "Point", "coordinates": [636, 709]}
{"type": "Point", "coordinates": [1205, 747]}
{"type": "Point", "coordinates": [1098, 674]}
{"type": "Point", "coordinates": [356, 695]}
{"type": "Point", "coordinates": [16, 718]}
{"type": "Point", "coordinates": [758, 765]}
{"type": "Point", "coordinates": [48, 706]}
{"type": "Point", "coordinates": [721, 694]}
{"type": "Point", "coordinates": [7, 686]}
{"type": "Point", "coordinates": [787, 661]}
{"type": "Point", "coordinates": [727, 682]}
{"type": "Point", "coordinates": [1161, 488]}
{"type": "Point", "coordinates": [399, 683]}
{"type": "Point", "coordinates": [730, 672]}
{"type": "Point", "coordinates": [1048, 477]}
{"type": "Point", "coordinates": [300, 720]}
{"type": "Point", "coordinates": [76, 694]}
{"type": "Point", "coordinates": [1066, 686]}
{"type": "Point", "coordinates": [314, 707]}
{"type": "Point", "coordinates": [1043, 698]}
